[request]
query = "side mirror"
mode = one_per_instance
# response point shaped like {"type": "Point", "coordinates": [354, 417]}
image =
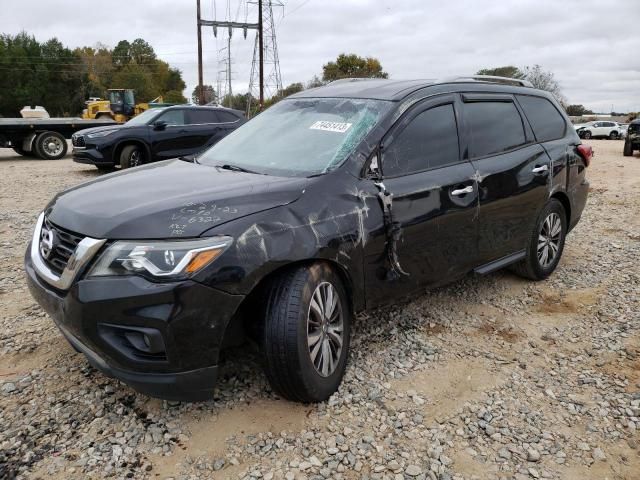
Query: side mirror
{"type": "Point", "coordinates": [159, 125]}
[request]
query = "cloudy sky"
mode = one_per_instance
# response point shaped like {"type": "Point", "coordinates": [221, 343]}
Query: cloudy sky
{"type": "Point", "coordinates": [592, 46]}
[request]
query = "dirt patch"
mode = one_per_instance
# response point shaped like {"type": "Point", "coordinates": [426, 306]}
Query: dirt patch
{"type": "Point", "coordinates": [571, 301]}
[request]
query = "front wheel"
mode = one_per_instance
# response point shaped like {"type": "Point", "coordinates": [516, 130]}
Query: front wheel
{"type": "Point", "coordinates": [613, 136]}
{"type": "Point", "coordinates": [306, 331]}
{"type": "Point", "coordinates": [627, 151]}
{"type": "Point", "coordinates": [586, 135]}
{"type": "Point", "coordinates": [546, 243]}
{"type": "Point", "coordinates": [131, 156]}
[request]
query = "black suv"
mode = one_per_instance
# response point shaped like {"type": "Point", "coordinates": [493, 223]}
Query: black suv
{"type": "Point", "coordinates": [632, 141]}
{"type": "Point", "coordinates": [334, 200]}
{"type": "Point", "coordinates": [156, 134]}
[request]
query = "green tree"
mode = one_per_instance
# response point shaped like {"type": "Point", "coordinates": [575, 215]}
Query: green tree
{"type": "Point", "coordinates": [577, 110]}
{"type": "Point", "coordinates": [353, 66]}
{"type": "Point", "coordinates": [509, 71]}
{"type": "Point", "coordinates": [209, 94]}
{"type": "Point", "coordinates": [174, 96]}
{"type": "Point", "coordinates": [122, 53]}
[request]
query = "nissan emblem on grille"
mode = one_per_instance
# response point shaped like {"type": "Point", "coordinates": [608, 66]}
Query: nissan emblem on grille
{"type": "Point", "coordinates": [47, 242]}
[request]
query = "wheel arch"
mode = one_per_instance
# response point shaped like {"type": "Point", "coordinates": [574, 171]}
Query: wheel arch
{"type": "Point", "coordinates": [130, 141]}
{"type": "Point", "coordinates": [247, 318]}
{"type": "Point", "coordinates": [563, 198]}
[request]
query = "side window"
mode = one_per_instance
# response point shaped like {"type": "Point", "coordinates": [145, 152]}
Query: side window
{"type": "Point", "coordinates": [172, 117]}
{"type": "Point", "coordinates": [494, 127]}
{"type": "Point", "coordinates": [430, 140]}
{"type": "Point", "coordinates": [197, 116]}
{"type": "Point", "coordinates": [545, 119]}
{"type": "Point", "coordinates": [227, 117]}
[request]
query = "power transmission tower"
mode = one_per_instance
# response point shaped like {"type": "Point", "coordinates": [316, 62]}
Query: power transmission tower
{"type": "Point", "coordinates": [265, 56]}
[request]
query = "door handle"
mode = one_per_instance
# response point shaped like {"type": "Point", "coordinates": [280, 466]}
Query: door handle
{"type": "Point", "coordinates": [542, 168]}
{"type": "Point", "coordinates": [462, 191]}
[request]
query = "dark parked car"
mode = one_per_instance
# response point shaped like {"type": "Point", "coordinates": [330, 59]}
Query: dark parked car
{"type": "Point", "coordinates": [632, 140]}
{"type": "Point", "coordinates": [334, 200]}
{"type": "Point", "coordinates": [156, 134]}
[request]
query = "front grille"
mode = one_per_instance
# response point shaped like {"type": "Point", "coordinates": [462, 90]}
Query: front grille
{"type": "Point", "coordinates": [78, 141]}
{"type": "Point", "coordinates": [65, 245]}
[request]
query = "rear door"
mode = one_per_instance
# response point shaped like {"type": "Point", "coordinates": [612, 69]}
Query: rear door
{"type": "Point", "coordinates": [434, 203]}
{"type": "Point", "coordinates": [512, 171]}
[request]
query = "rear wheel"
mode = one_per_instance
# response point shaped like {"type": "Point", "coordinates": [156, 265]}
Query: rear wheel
{"type": "Point", "coordinates": [131, 156]}
{"type": "Point", "coordinates": [50, 146]}
{"type": "Point", "coordinates": [613, 136]}
{"type": "Point", "coordinates": [305, 336]}
{"type": "Point", "coordinates": [627, 150]}
{"type": "Point", "coordinates": [546, 243]}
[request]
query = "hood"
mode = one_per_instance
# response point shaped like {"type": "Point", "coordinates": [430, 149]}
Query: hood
{"type": "Point", "coordinates": [115, 126]}
{"type": "Point", "coordinates": [171, 199]}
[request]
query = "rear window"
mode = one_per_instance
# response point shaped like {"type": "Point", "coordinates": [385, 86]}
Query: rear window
{"type": "Point", "coordinates": [494, 127]}
{"type": "Point", "coordinates": [546, 121]}
{"type": "Point", "coordinates": [226, 117]}
{"type": "Point", "coordinates": [198, 117]}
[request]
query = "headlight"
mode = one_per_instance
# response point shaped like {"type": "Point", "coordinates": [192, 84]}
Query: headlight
{"type": "Point", "coordinates": [172, 260]}
{"type": "Point", "coordinates": [104, 133]}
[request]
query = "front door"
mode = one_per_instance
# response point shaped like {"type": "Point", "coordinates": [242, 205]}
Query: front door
{"type": "Point", "coordinates": [434, 204]}
{"type": "Point", "coordinates": [176, 138]}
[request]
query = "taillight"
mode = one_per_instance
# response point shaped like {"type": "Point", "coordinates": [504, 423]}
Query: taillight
{"type": "Point", "coordinates": [586, 152]}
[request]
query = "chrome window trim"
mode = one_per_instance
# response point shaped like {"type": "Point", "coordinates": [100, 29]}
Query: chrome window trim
{"type": "Point", "coordinates": [84, 252]}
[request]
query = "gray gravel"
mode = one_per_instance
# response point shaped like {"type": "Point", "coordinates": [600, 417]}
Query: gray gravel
{"type": "Point", "coordinates": [492, 377]}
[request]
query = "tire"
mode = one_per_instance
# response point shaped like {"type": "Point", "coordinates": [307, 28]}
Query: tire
{"type": "Point", "coordinates": [613, 136]}
{"type": "Point", "coordinates": [532, 266]}
{"type": "Point", "coordinates": [131, 156]}
{"type": "Point", "coordinates": [627, 151]}
{"type": "Point", "coordinates": [50, 146]}
{"type": "Point", "coordinates": [24, 153]}
{"type": "Point", "coordinates": [586, 135]}
{"type": "Point", "coordinates": [291, 322]}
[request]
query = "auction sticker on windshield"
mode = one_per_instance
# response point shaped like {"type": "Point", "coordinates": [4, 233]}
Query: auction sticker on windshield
{"type": "Point", "coordinates": [337, 127]}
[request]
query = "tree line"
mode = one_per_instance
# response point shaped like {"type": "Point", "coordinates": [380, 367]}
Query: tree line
{"type": "Point", "coordinates": [62, 79]}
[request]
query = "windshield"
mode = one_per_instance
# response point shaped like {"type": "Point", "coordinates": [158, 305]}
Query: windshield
{"type": "Point", "coordinates": [298, 137]}
{"type": "Point", "coordinates": [145, 117]}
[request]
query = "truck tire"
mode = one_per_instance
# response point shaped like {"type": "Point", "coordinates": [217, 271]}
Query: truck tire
{"type": "Point", "coordinates": [50, 146]}
{"type": "Point", "coordinates": [305, 335]}
{"type": "Point", "coordinates": [627, 151]}
{"type": "Point", "coordinates": [131, 156]}
{"type": "Point", "coordinates": [546, 243]}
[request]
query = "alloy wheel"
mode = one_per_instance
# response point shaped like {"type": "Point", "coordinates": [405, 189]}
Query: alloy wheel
{"type": "Point", "coordinates": [325, 329]}
{"type": "Point", "coordinates": [549, 239]}
{"type": "Point", "coordinates": [135, 159]}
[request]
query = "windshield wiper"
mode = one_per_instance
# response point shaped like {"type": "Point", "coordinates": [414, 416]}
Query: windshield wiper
{"type": "Point", "coordinates": [235, 168]}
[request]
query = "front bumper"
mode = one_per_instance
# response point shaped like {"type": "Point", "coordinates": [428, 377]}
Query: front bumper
{"type": "Point", "coordinates": [191, 319]}
{"type": "Point", "coordinates": [92, 156]}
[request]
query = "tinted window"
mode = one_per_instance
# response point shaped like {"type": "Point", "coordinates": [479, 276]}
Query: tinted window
{"type": "Point", "coordinates": [227, 117]}
{"type": "Point", "coordinates": [172, 117]}
{"type": "Point", "coordinates": [203, 116]}
{"type": "Point", "coordinates": [430, 140]}
{"type": "Point", "coordinates": [494, 127]}
{"type": "Point", "coordinates": [546, 121]}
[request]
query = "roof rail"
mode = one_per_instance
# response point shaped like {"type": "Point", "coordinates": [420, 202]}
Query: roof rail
{"type": "Point", "coordinates": [491, 79]}
{"type": "Point", "coordinates": [353, 79]}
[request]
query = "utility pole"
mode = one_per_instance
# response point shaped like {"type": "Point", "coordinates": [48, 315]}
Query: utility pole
{"type": "Point", "coordinates": [261, 48]}
{"type": "Point", "coordinates": [229, 67]}
{"type": "Point", "coordinates": [200, 80]}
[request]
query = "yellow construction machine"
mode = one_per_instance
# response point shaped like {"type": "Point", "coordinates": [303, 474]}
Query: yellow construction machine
{"type": "Point", "coordinates": [120, 106]}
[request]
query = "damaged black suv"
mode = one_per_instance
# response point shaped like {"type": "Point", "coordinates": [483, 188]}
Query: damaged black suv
{"type": "Point", "coordinates": [334, 200]}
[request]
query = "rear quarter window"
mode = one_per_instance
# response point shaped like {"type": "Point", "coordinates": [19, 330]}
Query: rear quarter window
{"type": "Point", "coordinates": [494, 127]}
{"type": "Point", "coordinates": [545, 120]}
{"type": "Point", "coordinates": [227, 117]}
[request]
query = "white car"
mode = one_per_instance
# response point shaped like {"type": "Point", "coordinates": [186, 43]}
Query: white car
{"type": "Point", "coordinates": [599, 128]}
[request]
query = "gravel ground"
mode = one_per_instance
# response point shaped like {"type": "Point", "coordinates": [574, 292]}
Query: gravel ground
{"type": "Point", "coordinates": [493, 377]}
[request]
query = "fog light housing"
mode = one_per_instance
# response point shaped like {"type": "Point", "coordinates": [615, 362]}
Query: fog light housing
{"type": "Point", "coordinates": [136, 343]}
